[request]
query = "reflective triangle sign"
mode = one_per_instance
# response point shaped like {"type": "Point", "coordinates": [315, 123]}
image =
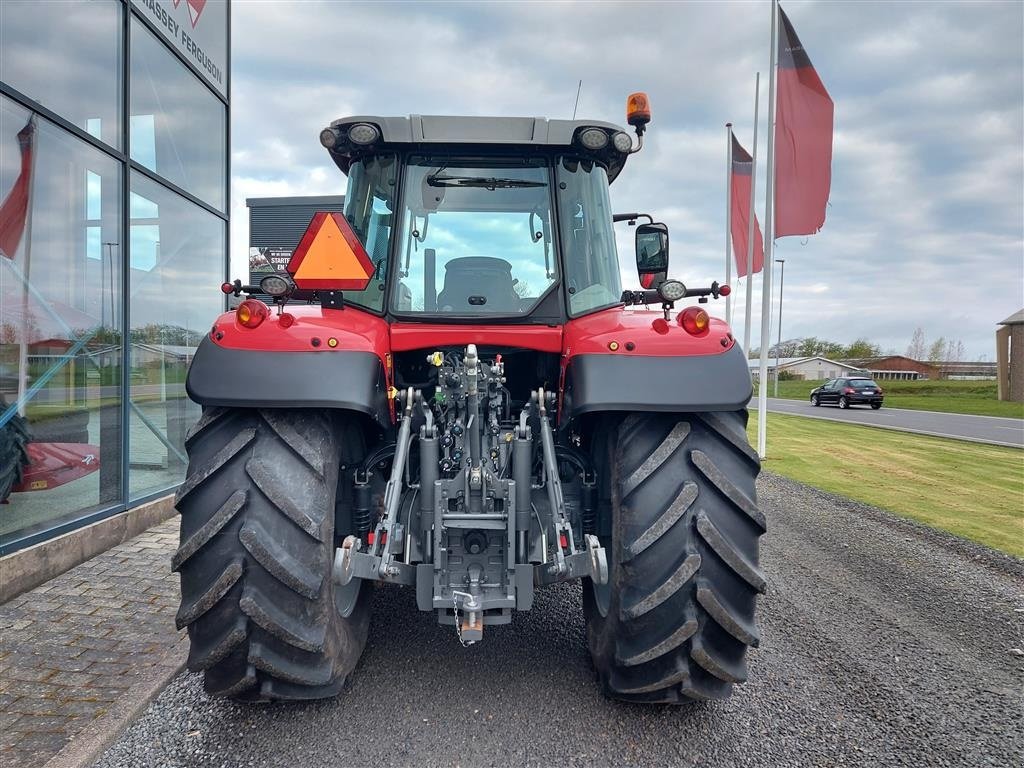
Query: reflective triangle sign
{"type": "Point", "coordinates": [330, 256]}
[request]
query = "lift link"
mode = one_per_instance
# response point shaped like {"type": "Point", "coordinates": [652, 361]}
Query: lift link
{"type": "Point", "coordinates": [389, 535]}
{"type": "Point", "coordinates": [569, 562]}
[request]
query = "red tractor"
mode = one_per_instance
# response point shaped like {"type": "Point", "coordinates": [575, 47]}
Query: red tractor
{"type": "Point", "coordinates": [450, 390]}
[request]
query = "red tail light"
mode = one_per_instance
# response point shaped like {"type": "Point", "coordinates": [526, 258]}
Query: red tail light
{"type": "Point", "coordinates": [849, 391]}
{"type": "Point", "coordinates": [695, 321]}
{"type": "Point", "coordinates": [251, 313]}
{"type": "Point", "coordinates": [878, 390]}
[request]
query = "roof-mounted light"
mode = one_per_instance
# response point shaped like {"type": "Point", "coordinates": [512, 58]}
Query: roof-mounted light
{"type": "Point", "coordinates": [622, 142]}
{"type": "Point", "coordinates": [363, 134]}
{"type": "Point", "coordinates": [328, 137]}
{"type": "Point", "coordinates": [593, 138]}
{"type": "Point", "coordinates": [638, 110]}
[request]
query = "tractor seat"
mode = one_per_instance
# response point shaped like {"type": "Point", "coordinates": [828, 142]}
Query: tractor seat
{"type": "Point", "coordinates": [482, 278]}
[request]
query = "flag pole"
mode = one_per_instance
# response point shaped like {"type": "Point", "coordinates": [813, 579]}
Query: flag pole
{"type": "Point", "coordinates": [750, 223]}
{"type": "Point", "coordinates": [23, 347]}
{"type": "Point", "coordinates": [769, 233]}
{"type": "Point", "coordinates": [728, 219]}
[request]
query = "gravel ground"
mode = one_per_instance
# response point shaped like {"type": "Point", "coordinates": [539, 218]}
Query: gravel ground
{"type": "Point", "coordinates": [883, 643]}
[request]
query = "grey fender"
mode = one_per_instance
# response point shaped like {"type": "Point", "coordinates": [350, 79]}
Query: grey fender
{"type": "Point", "coordinates": [622, 382]}
{"type": "Point", "coordinates": [242, 378]}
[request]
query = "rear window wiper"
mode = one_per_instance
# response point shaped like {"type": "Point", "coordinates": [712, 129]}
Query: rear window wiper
{"type": "Point", "coordinates": [481, 182]}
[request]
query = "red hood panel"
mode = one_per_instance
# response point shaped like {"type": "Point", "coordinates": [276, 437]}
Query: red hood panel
{"type": "Point", "coordinates": [543, 338]}
{"type": "Point", "coordinates": [647, 332]}
{"type": "Point", "coordinates": [353, 330]}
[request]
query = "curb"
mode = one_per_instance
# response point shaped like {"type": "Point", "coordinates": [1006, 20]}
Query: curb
{"type": "Point", "coordinates": [89, 744]}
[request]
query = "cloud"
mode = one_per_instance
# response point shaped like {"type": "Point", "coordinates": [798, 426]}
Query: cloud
{"type": "Point", "coordinates": [925, 223]}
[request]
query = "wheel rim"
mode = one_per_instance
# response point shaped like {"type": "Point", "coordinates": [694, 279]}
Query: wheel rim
{"type": "Point", "coordinates": [842, 402]}
{"type": "Point", "coordinates": [346, 598]}
{"type": "Point", "coordinates": [603, 592]}
{"type": "Point", "coordinates": [814, 399]}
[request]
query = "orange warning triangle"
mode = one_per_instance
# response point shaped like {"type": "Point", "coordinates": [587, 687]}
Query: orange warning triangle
{"type": "Point", "coordinates": [330, 256]}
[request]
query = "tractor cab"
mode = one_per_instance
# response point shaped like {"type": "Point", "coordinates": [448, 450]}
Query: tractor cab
{"type": "Point", "coordinates": [466, 218]}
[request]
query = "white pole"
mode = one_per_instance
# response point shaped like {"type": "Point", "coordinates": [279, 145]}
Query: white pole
{"type": "Point", "coordinates": [778, 348]}
{"type": "Point", "coordinates": [750, 224]}
{"type": "Point", "coordinates": [27, 236]}
{"type": "Point", "coordinates": [769, 233]}
{"type": "Point", "coordinates": [728, 219]}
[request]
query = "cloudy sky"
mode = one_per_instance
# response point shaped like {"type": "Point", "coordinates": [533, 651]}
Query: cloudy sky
{"type": "Point", "coordinates": [925, 222]}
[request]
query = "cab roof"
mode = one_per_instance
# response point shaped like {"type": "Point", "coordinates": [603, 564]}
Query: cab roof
{"type": "Point", "coordinates": [430, 131]}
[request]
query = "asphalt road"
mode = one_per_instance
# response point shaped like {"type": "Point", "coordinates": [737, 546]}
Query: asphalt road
{"type": "Point", "coordinates": [979, 429]}
{"type": "Point", "coordinates": [883, 643]}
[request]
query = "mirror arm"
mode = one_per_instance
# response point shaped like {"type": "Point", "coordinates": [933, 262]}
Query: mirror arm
{"type": "Point", "coordinates": [631, 217]}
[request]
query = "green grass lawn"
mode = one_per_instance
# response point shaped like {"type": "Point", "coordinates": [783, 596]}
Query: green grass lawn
{"type": "Point", "coordinates": [972, 490]}
{"type": "Point", "coordinates": [971, 397]}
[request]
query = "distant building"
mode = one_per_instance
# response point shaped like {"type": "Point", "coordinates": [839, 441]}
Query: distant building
{"type": "Point", "coordinates": [895, 367]}
{"type": "Point", "coordinates": [976, 369]}
{"type": "Point", "coordinates": [810, 368]}
{"type": "Point", "coordinates": [1010, 357]}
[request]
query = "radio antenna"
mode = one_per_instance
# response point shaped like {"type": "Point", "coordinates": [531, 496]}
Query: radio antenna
{"type": "Point", "coordinates": [576, 106]}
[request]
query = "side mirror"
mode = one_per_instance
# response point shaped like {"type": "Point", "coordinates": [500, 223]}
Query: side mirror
{"type": "Point", "coordinates": [652, 254]}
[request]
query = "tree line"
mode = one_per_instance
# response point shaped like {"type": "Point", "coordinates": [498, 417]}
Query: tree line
{"type": "Point", "coordinates": [812, 346]}
{"type": "Point", "coordinates": [940, 350]}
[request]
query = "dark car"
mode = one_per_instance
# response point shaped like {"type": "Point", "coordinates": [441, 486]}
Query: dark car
{"type": "Point", "coordinates": [852, 390]}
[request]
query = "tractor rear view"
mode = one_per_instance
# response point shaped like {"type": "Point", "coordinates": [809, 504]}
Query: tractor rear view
{"type": "Point", "coordinates": [450, 390]}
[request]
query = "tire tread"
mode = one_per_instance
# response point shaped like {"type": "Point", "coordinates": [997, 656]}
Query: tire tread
{"type": "Point", "coordinates": [683, 588]}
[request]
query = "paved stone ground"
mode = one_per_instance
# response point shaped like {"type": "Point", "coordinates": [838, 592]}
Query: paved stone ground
{"type": "Point", "coordinates": [71, 647]}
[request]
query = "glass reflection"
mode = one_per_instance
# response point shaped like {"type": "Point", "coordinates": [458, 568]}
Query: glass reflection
{"type": "Point", "coordinates": [60, 323]}
{"type": "Point", "coordinates": [67, 57]}
{"type": "Point", "coordinates": [177, 124]}
{"type": "Point", "coordinates": [177, 255]}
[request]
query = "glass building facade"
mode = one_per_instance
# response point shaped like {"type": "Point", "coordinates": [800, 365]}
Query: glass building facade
{"type": "Point", "coordinates": [114, 207]}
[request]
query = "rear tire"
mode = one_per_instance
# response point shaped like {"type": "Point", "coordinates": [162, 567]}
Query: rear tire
{"type": "Point", "coordinates": [14, 440]}
{"type": "Point", "coordinates": [814, 401]}
{"type": "Point", "coordinates": [674, 622]}
{"type": "Point", "coordinates": [876, 406]}
{"type": "Point", "coordinates": [844, 403]}
{"type": "Point", "coordinates": [264, 618]}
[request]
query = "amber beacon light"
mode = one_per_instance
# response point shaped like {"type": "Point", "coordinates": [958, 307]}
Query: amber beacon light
{"type": "Point", "coordinates": [638, 111]}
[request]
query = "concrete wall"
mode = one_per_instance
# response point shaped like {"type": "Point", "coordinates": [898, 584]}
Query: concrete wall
{"type": "Point", "coordinates": [28, 568]}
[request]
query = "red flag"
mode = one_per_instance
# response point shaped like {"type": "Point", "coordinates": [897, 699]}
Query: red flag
{"type": "Point", "coordinates": [803, 139]}
{"type": "Point", "coordinates": [14, 208]}
{"type": "Point", "coordinates": [742, 172]}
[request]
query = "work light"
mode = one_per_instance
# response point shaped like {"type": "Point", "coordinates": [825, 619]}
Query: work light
{"type": "Point", "coordinates": [276, 285]}
{"type": "Point", "coordinates": [593, 138]}
{"type": "Point", "coordinates": [363, 134]}
{"type": "Point", "coordinates": [622, 141]}
{"type": "Point", "coordinates": [672, 290]}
